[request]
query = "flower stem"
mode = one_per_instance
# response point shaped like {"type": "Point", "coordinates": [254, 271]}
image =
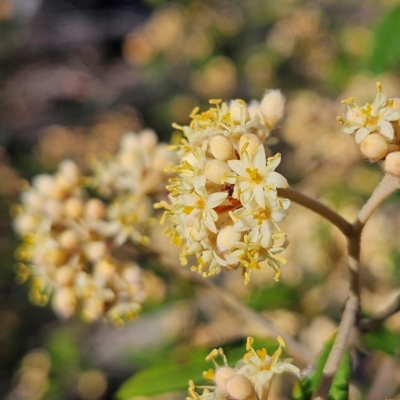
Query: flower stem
{"type": "Point", "coordinates": [388, 185]}
{"type": "Point", "coordinates": [370, 324]}
{"type": "Point", "coordinates": [314, 205]}
{"type": "Point", "coordinates": [348, 321]}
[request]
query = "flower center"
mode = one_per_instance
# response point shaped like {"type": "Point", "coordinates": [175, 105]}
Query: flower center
{"type": "Point", "coordinates": [254, 175]}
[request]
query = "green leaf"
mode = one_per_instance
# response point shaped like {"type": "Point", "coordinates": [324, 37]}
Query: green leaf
{"type": "Point", "coordinates": [168, 375]}
{"type": "Point", "coordinates": [306, 386]}
{"type": "Point", "coordinates": [386, 50]}
{"type": "Point", "coordinates": [273, 297]}
{"type": "Point", "coordinates": [384, 340]}
{"type": "Point", "coordinates": [173, 373]}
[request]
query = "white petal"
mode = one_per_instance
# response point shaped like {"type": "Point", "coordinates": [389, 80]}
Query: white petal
{"type": "Point", "coordinates": [238, 167]}
{"type": "Point", "coordinates": [391, 114]}
{"type": "Point", "coordinates": [277, 179]}
{"type": "Point", "coordinates": [285, 367]}
{"type": "Point", "coordinates": [259, 159]}
{"type": "Point", "coordinates": [386, 129]}
{"type": "Point", "coordinates": [274, 161]}
{"type": "Point", "coordinates": [259, 196]}
{"type": "Point", "coordinates": [215, 199]}
{"type": "Point", "coordinates": [349, 127]}
{"type": "Point", "coordinates": [361, 134]}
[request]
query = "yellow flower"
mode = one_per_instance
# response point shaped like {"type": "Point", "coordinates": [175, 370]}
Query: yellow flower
{"type": "Point", "coordinates": [370, 118]}
{"type": "Point", "coordinates": [224, 208]}
{"type": "Point", "coordinates": [250, 379]}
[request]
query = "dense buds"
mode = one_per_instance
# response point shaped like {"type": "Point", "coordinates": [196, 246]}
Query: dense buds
{"type": "Point", "coordinates": [224, 208]}
{"type": "Point", "coordinates": [70, 238]}
{"type": "Point", "coordinates": [250, 379]}
{"type": "Point", "coordinates": [376, 127]}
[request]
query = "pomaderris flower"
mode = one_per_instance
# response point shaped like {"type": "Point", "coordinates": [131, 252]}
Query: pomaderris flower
{"type": "Point", "coordinates": [223, 206]}
{"type": "Point", "coordinates": [69, 238]}
{"type": "Point", "coordinates": [250, 379]}
{"type": "Point", "coordinates": [375, 125]}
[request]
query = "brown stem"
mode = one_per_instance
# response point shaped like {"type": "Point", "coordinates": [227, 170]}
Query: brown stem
{"type": "Point", "coordinates": [297, 350]}
{"type": "Point", "coordinates": [347, 323]}
{"type": "Point", "coordinates": [370, 324]}
{"type": "Point", "coordinates": [386, 187]}
{"type": "Point", "coordinates": [314, 205]}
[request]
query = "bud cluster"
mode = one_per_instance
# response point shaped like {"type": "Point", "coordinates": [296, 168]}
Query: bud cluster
{"type": "Point", "coordinates": [250, 379]}
{"type": "Point", "coordinates": [224, 208]}
{"type": "Point", "coordinates": [69, 237]}
{"type": "Point", "coordinates": [377, 129]}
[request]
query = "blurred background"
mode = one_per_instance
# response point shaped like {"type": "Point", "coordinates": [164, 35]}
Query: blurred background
{"type": "Point", "coordinates": [75, 75]}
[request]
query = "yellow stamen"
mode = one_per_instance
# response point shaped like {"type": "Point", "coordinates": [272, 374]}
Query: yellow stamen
{"type": "Point", "coordinates": [350, 100]}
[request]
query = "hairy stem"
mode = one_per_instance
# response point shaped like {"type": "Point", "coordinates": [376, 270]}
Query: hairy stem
{"type": "Point", "coordinates": [314, 205]}
{"type": "Point", "coordinates": [370, 324]}
{"type": "Point", "coordinates": [347, 323]}
{"type": "Point", "coordinates": [302, 355]}
{"type": "Point", "coordinates": [386, 187]}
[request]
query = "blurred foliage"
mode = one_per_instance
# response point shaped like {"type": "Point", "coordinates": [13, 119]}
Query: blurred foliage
{"type": "Point", "coordinates": [172, 373]}
{"type": "Point", "coordinates": [306, 385]}
{"type": "Point", "coordinates": [386, 49]}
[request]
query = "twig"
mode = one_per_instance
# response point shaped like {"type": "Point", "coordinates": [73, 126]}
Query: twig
{"type": "Point", "coordinates": [386, 187]}
{"type": "Point", "coordinates": [297, 350]}
{"type": "Point", "coordinates": [370, 324]}
{"type": "Point", "coordinates": [314, 205]}
{"type": "Point", "coordinates": [348, 321]}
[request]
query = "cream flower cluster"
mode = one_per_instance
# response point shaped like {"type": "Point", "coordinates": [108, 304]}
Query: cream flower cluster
{"type": "Point", "coordinates": [250, 379]}
{"type": "Point", "coordinates": [224, 206]}
{"type": "Point", "coordinates": [70, 238]}
{"type": "Point", "coordinates": [376, 127]}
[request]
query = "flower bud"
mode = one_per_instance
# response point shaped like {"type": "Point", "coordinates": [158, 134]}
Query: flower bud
{"type": "Point", "coordinates": [130, 143]}
{"type": "Point", "coordinates": [73, 207]}
{"type": "Point", "coordinates": [95, 209]}
{"type": "Point", "coordinates": [65, 275]}
{"type": "Point", "coordinates": [95, 251]}
{"type": "Point", "coordinates": [104, 268]}
{"type": "Point", "coordinates": [239, 387]}
{"type": "Point", "coordinates": [55, 257]}
{"type": "Point", "coordinates": [227, 237]}
{"type": "Point", "coordinates": [374, 147]}
{"type": "Point", "coordinates": [215, 170]}
{"type": "Point", "coordinates": [272, 107]}
{"type": "Point", "coordinates": [253, 108]}
{"type": "Point", "coordinates": [222, 375]}
{"type": "Point", "coordinates": [238, 111]}
{"type": "Point", "coordinates": [53, 209]}
{"type": "Point", "coordinates": [396, 103]}
{"type": "Point", "coordinates": [44, 183]}
{"type": "Point", "coordinates": [25, 224]}
{"type": "Point", "coordinates": [392, 163]}
{"type": "Point", "coordinates": [64, 302]}
{"type": "Point", "coordinates": [68, 240]}
{"type": "Point", "coordinates": [70, 171]}
{"type": "Point", "coordinates": [221, 148]}
{"type": "Point", "coordinates": [131, 273]}
{"type": "Point", "coordinates": [148, 139]}
{"type": "Point", "coordinates": [252, 141]}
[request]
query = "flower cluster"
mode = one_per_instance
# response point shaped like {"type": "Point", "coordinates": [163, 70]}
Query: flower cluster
{"type": "Point", "coordinates": [70, 238]}
{"type": "Point", "coordinates": [250, 379]}
{"type": "Point", "coordinates": [377, 129]}
{"type": "Point", "coordinates": [224, 207]}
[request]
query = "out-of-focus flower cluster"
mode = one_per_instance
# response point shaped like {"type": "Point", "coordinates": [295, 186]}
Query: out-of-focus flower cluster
{"type": "Point", "coordinates": [250, 379]}
{"type": "Point", "coordinates": [70, 235]}
{"type": "Point", "coordinates": [376, 127]}
{"type": "Point", "coordinates": [224, 208]}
